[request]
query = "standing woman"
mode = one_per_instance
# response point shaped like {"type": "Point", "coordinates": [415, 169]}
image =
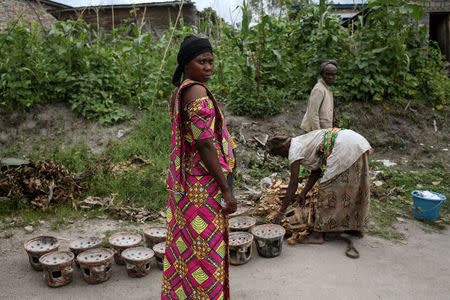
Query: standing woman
{"type": "Point", "coordinates": [200, 195]}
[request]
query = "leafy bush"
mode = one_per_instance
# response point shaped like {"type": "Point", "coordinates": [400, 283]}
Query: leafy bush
{"type": "Point", "coordinates": [74, 63]}
{"type": "Point", "coordinates": [258, 66]}
{"type": "Point", "coordinates": [386, 58]}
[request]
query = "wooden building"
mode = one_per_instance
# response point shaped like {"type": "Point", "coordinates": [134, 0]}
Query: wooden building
{"type": "Point", "coordinates": [156, 16]}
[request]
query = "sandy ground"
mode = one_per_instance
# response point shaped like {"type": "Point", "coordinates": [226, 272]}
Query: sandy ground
{"type": "Point", "coordinates": [415, 268]}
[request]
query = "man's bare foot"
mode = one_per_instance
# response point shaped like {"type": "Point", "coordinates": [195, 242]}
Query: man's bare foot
{"type": "Point", "coordinates": [313, 238]}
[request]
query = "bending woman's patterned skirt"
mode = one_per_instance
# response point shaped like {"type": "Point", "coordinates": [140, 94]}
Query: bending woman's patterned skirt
{"type": "Point", "coordinates": [343, 202]}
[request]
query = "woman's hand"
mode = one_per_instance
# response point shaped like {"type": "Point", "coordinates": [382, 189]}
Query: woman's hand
{"type": "Point", "coordinates": [230, 202]}
{"type": "Point", "coordinates": [301, 199]}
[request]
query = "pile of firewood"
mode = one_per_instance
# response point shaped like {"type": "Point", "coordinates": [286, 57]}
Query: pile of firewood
{"type": "Point", "coordinates": [45, 183]}
{"type": "Point", "coordinates": [298, 219]}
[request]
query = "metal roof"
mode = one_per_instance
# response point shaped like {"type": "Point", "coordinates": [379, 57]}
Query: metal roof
{"type": "Point", "coordinates": [97, 3]}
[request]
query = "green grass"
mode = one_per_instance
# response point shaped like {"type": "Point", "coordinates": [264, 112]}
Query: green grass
{"type": "Point", "coordinates": [145, 187]}
{"type": "Point", "coordinates": [393, 199]}
{"type": "Point", "coordinates": [149, 140]}
{"type": "Point", "coordinates": [13, 215]}
{"type": "Point", "coordinates": [8, 235]}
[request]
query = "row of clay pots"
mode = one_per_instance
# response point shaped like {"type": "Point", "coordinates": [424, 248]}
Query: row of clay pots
{"type": "Point", "coordinates": [95, 262]}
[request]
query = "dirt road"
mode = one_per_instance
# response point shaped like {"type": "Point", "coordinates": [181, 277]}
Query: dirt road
{"type": "Point", "coordinates": [415, 268]}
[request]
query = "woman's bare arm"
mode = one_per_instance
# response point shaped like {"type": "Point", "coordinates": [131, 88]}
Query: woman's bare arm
{"type": "Point", "coordinates": [312, 179]}
{"type": "Point", "coordinates": [208, 152]}
{"type": "Point", "coordinates": [292, 188]}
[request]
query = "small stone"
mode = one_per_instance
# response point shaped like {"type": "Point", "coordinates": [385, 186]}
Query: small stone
{"type": "Point", "coordinates": [265, 183]}
{"type": "Point", "coordinates": [120, 221]}
{"type": "Point", "coordinates": [28, 229]}
{"type": "Point", "coordinates": [419, 186]}
{"type": "Point", "coordinates": [102, 236]}
{"type": "Point", "coordinates": [400, 219]}
{"type": "Point", "coordinates": [445, 149]}
{"type": "Point", "coordinates": [436, 182]}
{"type": "Point", "coordinates": [42, 222]}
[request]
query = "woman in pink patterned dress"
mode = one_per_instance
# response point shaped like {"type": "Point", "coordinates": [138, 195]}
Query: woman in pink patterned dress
{"type": "Point", "coordinates": [200, 195]}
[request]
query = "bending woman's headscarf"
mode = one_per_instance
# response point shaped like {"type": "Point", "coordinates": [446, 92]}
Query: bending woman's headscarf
{"type": "Point", "coordinates": [190, 48]}
{"type": "Point", "coordinates": [326, 63]}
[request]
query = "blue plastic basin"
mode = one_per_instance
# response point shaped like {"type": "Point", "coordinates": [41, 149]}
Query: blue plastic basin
{"type": "Point", "coordinates": [425, 208]}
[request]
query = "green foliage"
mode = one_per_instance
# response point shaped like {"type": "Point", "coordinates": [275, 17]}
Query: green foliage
{"type": "Point", "coordinates": [388, 56]}
{"type": "Point", "coordinates": [96, 74]}
{"type": "Point", "coordinates": [258, 65]}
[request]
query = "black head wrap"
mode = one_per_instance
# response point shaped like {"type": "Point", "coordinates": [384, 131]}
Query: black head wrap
{"type": "Point", "coordinates": [326, 63]}
{"type": "Point", "coordinates": [190, 48]}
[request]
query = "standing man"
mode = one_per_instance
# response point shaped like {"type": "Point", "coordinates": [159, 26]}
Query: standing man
{"type": "Point", "coordinates": [319, 114]}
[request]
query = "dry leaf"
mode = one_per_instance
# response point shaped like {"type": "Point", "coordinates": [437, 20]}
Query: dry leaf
{"type": "Point", "coordinates": [378, 183]}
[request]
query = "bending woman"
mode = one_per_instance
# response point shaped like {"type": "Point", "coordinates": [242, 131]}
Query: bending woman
{"type": "Point", "coordinates": [200, 197]}
{"type": "Point", "coordinates": [344, 196]}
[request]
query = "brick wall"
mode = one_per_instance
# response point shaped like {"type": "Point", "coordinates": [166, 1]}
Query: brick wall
{"type": "Point", "coordinates": [437, 6]}
{"type": "Point", "coordinates": [437, 20]}
{"type": "Point", "coordinates": [30, 11]}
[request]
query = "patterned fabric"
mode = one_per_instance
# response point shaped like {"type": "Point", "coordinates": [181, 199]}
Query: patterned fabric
{"type": "Point", "coordinates": [325, 148]}
{"type": "Point", "coordinates": [196, 257]}
{"type": "Point", "coordinates": [343, 202]}
{"type": "Point", "coordinates": [303, 173]}
{"type": "Point", "coordinates": [201, 122]}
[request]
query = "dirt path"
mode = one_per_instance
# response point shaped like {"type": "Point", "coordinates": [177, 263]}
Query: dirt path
{"type": "Point", "coordinates": [416, 268]}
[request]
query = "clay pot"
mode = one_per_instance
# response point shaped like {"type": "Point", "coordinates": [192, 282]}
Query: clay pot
{"type": "Point", "coordinates": [95, 264]}
{"type": "Point", "coordinates": [268, 239]}
{"type": "Point", "coordinates": [155, 235]}
{"type": "Point", "coordinates": [57, 267]}
{"type": "Point", "coordinates": [240, 211]}
{"type": "Point", "coordinates": [82, 244]}
{"type": "Point", "coordinates": [38, 246]}
{"type": "Point", "coordinates": [240, 247]}
{"type": "Point", "coordinates": [121, 241]}
{"type": "Point", "coordinates": [137, 260]}
{"type": "Point", "coordinates": [160, 250]}
{"type": "Point", "coordinates": [243, 223]}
